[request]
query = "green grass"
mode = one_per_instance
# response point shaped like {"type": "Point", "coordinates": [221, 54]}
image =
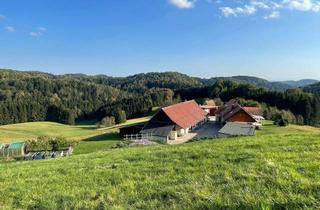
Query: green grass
{"type": "Point", "coordinates": [89, 137]}
{"type": "Point", "coordinates": [276, 169]}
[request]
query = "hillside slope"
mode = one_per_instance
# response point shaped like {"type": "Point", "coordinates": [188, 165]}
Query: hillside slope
{"type": "Point", "coordinates": [278, 168]}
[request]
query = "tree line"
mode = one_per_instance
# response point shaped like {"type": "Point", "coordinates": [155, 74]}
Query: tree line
{"type": "Point", "coordinates": [300, 103]}
{"type": "Point", "coordinates": [36, 96]}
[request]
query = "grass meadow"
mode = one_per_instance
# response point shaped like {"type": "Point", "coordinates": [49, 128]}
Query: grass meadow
{"type": "Point", "coordinates": [279, 168]}
{"type": "Point", "coordinates": [89, 138]}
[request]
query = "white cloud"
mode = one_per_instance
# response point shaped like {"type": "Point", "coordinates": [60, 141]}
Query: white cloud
{"type": "Point", "coordinates": [272, 15]}
{"type": "Point", "coordinates": [183, 4]}
{"type": "Point", "coordinates": [260, 4]}
{"type": "Point", "coordinates": [303, 5]}
{"type": "Point", "coordinates": [43, 29]}
{"type": "Point", "coordinates": [10, 29]}
{"type": "Point", "coordinates": [246, 10]}
{"type": "Point", "coordinates": [35, 33]}
{"type": "Point", "coordinates": [271, 8]}
{"type": "Point", "coordinates": [39, 32]}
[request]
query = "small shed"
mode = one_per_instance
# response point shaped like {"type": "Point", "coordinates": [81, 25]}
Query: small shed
{"type": "Point", "coordinates": [12, 150]}
{"type": "Point", "coordinates": [237, 129]}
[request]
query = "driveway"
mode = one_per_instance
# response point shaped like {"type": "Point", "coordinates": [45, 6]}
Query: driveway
{"type": "Point", "coordinates": [210, 129]}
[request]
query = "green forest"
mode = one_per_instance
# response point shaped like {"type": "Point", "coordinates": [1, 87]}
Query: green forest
{"type": "Point", "coordinates": [37, 96]}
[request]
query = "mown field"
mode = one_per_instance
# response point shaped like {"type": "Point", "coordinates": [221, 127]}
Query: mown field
{"type": "Point", "coordinates": [276, 169]}
{"type": "Point", "coordinates": [89, 138]}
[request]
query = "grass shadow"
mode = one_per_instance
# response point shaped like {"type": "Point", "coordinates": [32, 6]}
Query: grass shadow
{"type": "Point", "coordinates": [104, 137]}
{"type": "Point", "coordinates": [87, 127]}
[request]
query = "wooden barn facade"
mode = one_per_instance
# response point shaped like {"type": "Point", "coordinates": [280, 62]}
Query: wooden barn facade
{"type": "Point", "coordinates": [233, 112]}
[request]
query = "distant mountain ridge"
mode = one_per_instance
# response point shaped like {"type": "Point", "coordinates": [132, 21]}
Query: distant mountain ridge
{"type": "Point", "coordinates": [300, 83]}
{"type": "Point", "coordinates": [172, 80]}
{"type": "Point", "coordinates": [259, 82]}
{"type": "Point", "coordinates": [313, 88]}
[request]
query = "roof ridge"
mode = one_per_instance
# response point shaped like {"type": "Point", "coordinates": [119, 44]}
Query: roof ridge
{"type": "Point", "coordinates": [173, 105]}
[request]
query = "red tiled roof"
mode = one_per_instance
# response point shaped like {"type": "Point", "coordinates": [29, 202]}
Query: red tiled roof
{"type": "Point", "coordinates": [185, 114]}
{"type": "Point", "coordinates": [254, 110]}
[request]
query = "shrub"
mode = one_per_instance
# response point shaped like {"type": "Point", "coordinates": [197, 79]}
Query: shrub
{"type": "Point", "coordinates": [119, 115]}
{"type": "Point", "coordinates": [106, 122]}
{"type": "Point", "coordinates": [59, 143]}
{"type": "Point", "coordinates": [44, 143]}
{"type": "Point", "coordinates": [283, 122]}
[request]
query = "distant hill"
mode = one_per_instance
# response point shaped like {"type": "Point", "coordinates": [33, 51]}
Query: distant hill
{"type": "Point", "coordinates": [300, 83]}
{"type": "Point", "coordinates": [314, 88]}
{"type": "Point", "coordinates": [171, 80]}
{"type": "Point", "coordinates": [262, 83]}
{"type": "Point", "coordinates": [28, 96]}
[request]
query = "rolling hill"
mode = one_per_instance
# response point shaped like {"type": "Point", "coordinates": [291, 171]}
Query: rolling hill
{"type": "Point", "coordinates": [172, 80]}
{"type": "Point", "coordinates": [276, 169]}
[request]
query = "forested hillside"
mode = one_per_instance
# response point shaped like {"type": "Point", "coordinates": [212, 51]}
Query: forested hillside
{"type": "Point", "coordinates": [314, 88]}
{"type": "Point", "coordinates": [300, 83]}
{"type": "Point", "coordinates": [301, 104]}
{"type": "Point", "coordinates": [37, 96]}
{"type": "Point", "coordinates": [33, 96]}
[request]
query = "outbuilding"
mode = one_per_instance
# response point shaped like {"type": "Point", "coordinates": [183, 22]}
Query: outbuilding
{"type": "Point", "coordinates": [12, 150]}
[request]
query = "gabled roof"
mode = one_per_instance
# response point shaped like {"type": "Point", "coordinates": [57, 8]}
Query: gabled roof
{"type": "Point", "coordinates": [227, 106]}
{"type": "Point", "coordinates": [231, 108]}
{"type": "Point", "coordinates": [185, 114]}
{"type": "Point", "coordinates": [253, 110]}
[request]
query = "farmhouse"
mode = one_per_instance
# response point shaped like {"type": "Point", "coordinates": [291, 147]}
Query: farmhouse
{"type": "Point", "coordinates": [175, 121]}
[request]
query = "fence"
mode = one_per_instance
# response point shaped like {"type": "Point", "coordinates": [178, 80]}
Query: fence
{"type": "Point", "coordinates": [138, 137]}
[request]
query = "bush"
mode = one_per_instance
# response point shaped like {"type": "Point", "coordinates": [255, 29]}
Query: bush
{"type": "Point", "coordinates": [59, 143]}
{"type": "Point", "coordinates": [284, 118]}
{"type": "Point", "coordinates": [283, 123]}
{"type": "Point", "coordinates": [106, 122]}
{"type": "Point", "coordinates": [119, 115]}
{"type": "Point", "coordinates": [44, 143]}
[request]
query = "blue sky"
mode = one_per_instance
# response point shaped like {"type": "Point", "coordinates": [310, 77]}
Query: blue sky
{"type": "Point", "coordinates": [273, 39]}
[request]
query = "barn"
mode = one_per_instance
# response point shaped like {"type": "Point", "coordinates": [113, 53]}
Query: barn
{"type": "Point", "coordinates": [132, 129]}
{"type": "Point", "coordinates": [233, 112]}
{"type": "Point", "coordinates": [175, 121]}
